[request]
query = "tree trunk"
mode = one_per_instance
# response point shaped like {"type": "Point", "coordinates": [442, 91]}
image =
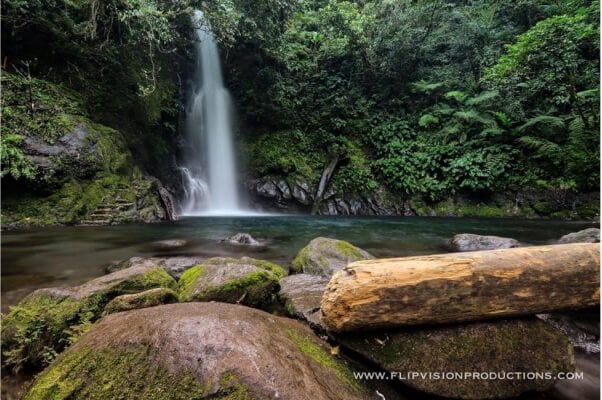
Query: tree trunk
{"type": "Point", "coordinates": [462, 286]}
{"type": "Point", "coordinates": [324, 179]}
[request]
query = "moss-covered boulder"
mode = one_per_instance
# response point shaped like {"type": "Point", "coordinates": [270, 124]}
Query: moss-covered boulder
{"type": "Point", "coordinates": [231, 280]}
{"type": "Point", "coordinates": [174, 266]}
{"type": "Point", "coordinates": [519, 345]}
{"type": "Point", "coordinates": [148, 298]}
{"type": "Point", "coordinates": [197, 351]}
{"type": "Point", "coordinates": [472, 242]}
{"type": "Point", "coordinates": [48, 320]}
{"type": "Point", "coordinates": [590, 235]}
{"type": "Point", "coordinates": [324, 256]}
{"type": "Point", "coordinates": [301, 295]}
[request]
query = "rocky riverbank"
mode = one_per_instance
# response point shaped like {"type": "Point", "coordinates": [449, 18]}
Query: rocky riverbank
{"type": "Point", "coordinates": [283, 194]}
{"type": "Point", "coordinates": [219, 330]}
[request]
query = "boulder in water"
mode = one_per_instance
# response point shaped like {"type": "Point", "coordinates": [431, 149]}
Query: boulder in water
{"type": "Point", "coordinates": [590, 235]}
{"type": "Point", "coordinates": [325, 256]}
{"type": "Point", "coordinates": [301, 295]}
{"type": "Point", "coordinates": [200, 351]}
{"type": "Point", "coordinates": [47, 320]}
{"type": "Point", "coordinates": [471, 242]}
{"type": "Point", "coordinates": [242, 239]}
{"type": "Point", "coordinates": [504, 346]}
{"type": "Point", "coordinates": [231, 280]}
{"type": "Point", "coordinates": [148, 298]}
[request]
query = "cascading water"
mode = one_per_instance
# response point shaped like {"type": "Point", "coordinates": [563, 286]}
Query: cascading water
{"type": "Point", "coordinates": [209, 177]}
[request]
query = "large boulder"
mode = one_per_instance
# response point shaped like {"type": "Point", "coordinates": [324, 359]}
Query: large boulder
{"type": "Point", "coordinates": [148, 298]}
{"type": "Point", "coordinates": [504, 346]}
{"type": "Point", "coordinates": [301, 295]}
{"type": "Point", "coordinates": [47, 320]}
{"type": "Point", "coordinates": [471, 242]}
{"type": "Point", "coordinates": [197, 351]}
{"type": "Point", "coordinates": [590, 235]}
{"type": "Point", "coordinates": [231, 280]}
{"type": "Point", "coordinates": [324, 256]}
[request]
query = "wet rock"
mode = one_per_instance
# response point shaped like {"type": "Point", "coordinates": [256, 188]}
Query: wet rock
{"type": "Point", "coordinates": [301, 295]}
{"type": "Point", "coordinates": [231, 280]}
{"type": "Point", "coordinates": [241, 238]}
{"type": "Point", "coordinates": [471, 242]}
{"type": "Point", "coordinates": [324, 256]}
{"type": "Point", "coordinates": [526, 345]}
{"type": "Point", "coordinates": [200, 351]}
{"type": "Point", "coordinates": [169, 244]}
{"type": "Point", "coordinates": [285, 190]}
{"type": "Point", "coordinates": [267, 189]}
{"type": "Point", "coordinates": [301, 193]}
{"type": "Point", "coordinates": [48, 319]}
{"type": "Point", "coordinates": [148, 298]}
{"type": "Point", "coordinates": [590, 235]}
{"type": "Point", "coordinates": [174, 266]}
{"type": "Point", "coordinates": [584, 334]}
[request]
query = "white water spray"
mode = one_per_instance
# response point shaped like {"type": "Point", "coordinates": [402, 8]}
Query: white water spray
{"type": "Point", "coordinates": [210, 184]}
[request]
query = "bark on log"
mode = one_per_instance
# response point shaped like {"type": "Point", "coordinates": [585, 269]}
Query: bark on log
{"type": "Point", "coordinates": [462, 286]}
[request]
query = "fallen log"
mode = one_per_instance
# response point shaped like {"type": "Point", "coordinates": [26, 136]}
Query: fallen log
{"type": "Point", "coordinates": [460, 287]}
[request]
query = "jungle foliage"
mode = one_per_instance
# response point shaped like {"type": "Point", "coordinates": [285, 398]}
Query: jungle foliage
{"type": "Point", "coordinates": [441, 96]}
{"type": "Point", "coordinates": [426, 97]}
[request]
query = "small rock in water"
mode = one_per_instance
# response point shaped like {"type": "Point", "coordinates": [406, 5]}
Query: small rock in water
{"type": "Point", "coordinates": [241, 238]}
{"type": "Point", "coordinates": [590, 235]}
{"type": "Point", "coordinates": [471, 242]}
{"type": "Point", "coordinates": [169, 244]}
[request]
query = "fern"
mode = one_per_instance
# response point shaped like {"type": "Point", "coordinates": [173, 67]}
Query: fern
{"type": "Point", "coordinates": [426, 87]}
{"type": "Point", "coordinates": [590, 93]}
{"type": "Point", "coordinates": [543, 121]}
{"type": "Point", "coordinates": [541, 146]}
{"type": "Point", "coordinates": [428, 119]}
{"type": "Point", "coordinates": [456, 95]}
{"type": "Point", "coordinates": [474, 116]}
{"type": "Point", "coordinates": [483, 98]}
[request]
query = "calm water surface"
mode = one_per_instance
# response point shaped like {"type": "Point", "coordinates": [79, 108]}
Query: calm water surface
{"type": "Point", "coordinates": [64, 256]}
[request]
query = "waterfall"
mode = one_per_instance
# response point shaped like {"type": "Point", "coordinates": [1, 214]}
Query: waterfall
{"type": "Point", "coordinates": [209, 177]}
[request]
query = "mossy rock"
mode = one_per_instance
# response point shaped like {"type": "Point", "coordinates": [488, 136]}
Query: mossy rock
{"type": "Point", "coordinates": [325, 256]}
{"type": "Point", "coordinates": [231, 280]}
{"type": "Point", "coordinates": [48, 320]}
{"type": "Point", "coordinates": [518, 345]}
{"type": "Point", "coordinates": [197, 351]}
{"type": "Point", "coordinates": [148, 298]}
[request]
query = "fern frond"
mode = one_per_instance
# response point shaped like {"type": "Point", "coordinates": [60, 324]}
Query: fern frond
{"type": "Point", "coordinates": [483, 98]}
{"type": "Point", "coordinates": [543, 121]}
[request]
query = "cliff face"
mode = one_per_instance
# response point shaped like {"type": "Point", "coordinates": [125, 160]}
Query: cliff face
{"type": "Point", "coordinates": [90, 110]}
{"type": "Point", "coordinates": [61, 167]}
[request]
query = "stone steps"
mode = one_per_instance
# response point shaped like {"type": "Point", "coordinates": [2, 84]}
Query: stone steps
{"type": "Point", "coordinates": [105, 213]}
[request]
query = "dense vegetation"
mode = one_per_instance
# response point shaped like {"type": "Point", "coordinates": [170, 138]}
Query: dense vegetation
{"type": "Point", "coordinates": [431, 98]}
{"type": "Point", "coordinates": [427, 99]}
